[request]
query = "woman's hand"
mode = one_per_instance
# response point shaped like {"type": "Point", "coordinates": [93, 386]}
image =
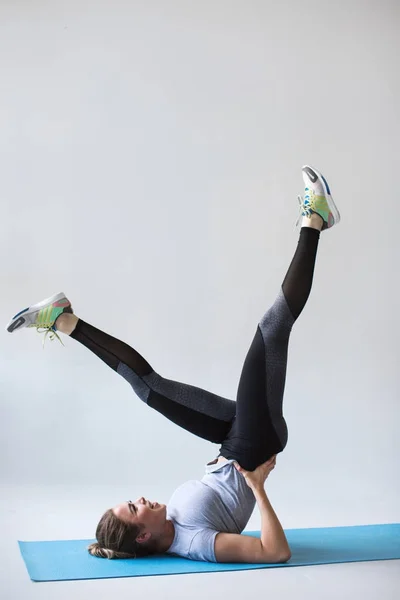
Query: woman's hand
{"type": "Point", "coordinates": [256, 479]}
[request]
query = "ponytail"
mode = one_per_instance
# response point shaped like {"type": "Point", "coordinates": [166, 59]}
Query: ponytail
{"type": "Point", "coordinates": [96, 550]}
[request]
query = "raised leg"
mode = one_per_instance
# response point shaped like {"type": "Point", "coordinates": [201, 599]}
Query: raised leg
{"type": "Point", "coordinates": [260, 430]}
{"type": "Point", "coordinates": [200, 412]}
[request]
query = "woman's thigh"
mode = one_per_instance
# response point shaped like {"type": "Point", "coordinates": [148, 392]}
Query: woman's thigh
{"type": "Point", "coordinates": [260, 430]}
{"type": "Point", "coordinates": [199, 411]}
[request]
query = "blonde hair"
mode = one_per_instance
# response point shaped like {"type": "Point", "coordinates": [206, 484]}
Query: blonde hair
{"type": "Point", "coordinates": [116, 539]}
{"type": "Point", "coordinates": [96, 550]}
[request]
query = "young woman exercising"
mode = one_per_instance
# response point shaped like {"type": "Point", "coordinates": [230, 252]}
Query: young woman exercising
{"type": "Point", "coordinates": [204, 519]}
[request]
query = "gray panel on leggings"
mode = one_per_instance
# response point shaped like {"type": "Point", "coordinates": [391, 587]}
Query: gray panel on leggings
{"type": "Point", "coordinates": [192, 397]}
{"type": "Point", "coordinates": [275, 327]}
{"type": "Point", "coordinates": [139, 386]}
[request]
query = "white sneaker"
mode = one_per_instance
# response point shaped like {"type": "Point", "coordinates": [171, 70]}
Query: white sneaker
{"type": "Point", "coordinates": [317, 198]}
{"type": "Point", "coordinates": [42, 315]}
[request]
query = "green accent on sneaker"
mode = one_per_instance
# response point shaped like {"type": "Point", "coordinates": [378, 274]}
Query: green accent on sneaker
{"type": "Point", "coordinates": [313, 203]}
{"type": "Point", "coordinates": [317, 204]}
{"type": "Point", "coordinates": [44, 323]}
{"type": "Point", "coordinates": [47, 316]}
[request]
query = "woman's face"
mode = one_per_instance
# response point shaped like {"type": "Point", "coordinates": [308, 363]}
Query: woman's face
{"type": "Point", "coordinates": [151, 514]}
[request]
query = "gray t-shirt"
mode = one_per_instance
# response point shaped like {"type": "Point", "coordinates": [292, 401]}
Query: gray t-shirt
{"type": "Point", "coordinates": [221, 502]}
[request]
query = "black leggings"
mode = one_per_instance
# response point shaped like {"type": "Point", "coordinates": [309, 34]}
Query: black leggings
{"type": "Point", "coordinates": [251, 429]}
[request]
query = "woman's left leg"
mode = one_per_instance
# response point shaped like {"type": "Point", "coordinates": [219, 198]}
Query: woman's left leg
{"type": "Point", "coordinates": [198, 411]}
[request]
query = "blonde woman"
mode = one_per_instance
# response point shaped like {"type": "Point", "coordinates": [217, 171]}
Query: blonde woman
{"type": "Point", "coordinates": [204, 519]}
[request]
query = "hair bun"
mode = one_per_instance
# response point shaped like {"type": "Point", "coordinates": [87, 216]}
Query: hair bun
{"type": "Point", "coordinates": [96, 550]}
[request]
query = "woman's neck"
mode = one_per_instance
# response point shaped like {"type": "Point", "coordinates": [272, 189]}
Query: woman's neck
{"type": "Point", "coordinates": [168, 536]}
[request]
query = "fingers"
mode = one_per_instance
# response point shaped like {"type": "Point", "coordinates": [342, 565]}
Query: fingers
{"type": "Point", "coordinates": [270, 463]}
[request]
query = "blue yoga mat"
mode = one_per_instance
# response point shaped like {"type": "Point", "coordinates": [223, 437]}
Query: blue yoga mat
{"type": "Point", "coordinates": [68, 559]}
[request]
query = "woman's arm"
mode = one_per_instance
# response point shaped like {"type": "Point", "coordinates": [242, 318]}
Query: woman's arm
{"type": "Point", "coordinates": [272, 546]}
{"type": "Point", "coordinates": [273, 538]}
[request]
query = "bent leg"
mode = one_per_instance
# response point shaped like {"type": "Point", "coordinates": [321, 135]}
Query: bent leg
{"type": "Point", "coordinates": [200, 412]}
{"type": "Point", "coordinates": [260, 430]}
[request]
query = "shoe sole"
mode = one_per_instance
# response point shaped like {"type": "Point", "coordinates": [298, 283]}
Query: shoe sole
{"type": "Point", "coordinates": [20, 318]}
{"type": "Point", "coordinates": [332, 206]}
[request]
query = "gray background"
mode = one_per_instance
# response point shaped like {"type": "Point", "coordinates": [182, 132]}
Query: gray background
{"type": "Point", "coordinates": [151, 157]}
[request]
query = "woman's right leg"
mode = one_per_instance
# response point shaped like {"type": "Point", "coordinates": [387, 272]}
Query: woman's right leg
{"type": "Point", "coordinates": [260, 430]}
{"type": "Point", "coordinates": [200, 412]}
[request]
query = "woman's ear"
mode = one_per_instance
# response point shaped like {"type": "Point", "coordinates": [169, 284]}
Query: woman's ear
{"type": "Point", "coordinates": [143, 537]}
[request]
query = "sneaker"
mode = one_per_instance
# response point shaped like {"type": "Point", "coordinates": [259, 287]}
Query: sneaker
{"type": "Point", "coordinates": [42, 316]}
{"type": "Point", "coordinates": [317, 198]}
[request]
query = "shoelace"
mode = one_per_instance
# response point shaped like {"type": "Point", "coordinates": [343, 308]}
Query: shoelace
{"type": "Point", "coordinates": [304, 210]}
{"type": "Point", "coordinates": [48, 331]}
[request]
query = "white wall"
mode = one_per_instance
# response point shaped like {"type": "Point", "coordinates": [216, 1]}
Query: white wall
{"type": "Point", "coordinates": [151, 157]}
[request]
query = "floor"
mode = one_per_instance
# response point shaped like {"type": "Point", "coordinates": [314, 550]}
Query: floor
{"type": "Point", "coordinates": [31, 512]}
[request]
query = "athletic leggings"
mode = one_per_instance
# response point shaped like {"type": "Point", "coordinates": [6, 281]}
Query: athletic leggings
{"type": "Point", "coordinates": [251, 429]}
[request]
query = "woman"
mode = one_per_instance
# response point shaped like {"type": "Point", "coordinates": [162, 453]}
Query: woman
{"type": "Point", "coordinates": [204, 519]}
